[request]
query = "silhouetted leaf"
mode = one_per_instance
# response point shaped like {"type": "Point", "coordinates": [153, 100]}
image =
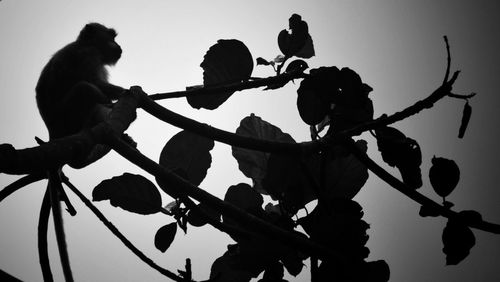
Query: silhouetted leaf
{"type": "Point", "coordinates": [228, 61]}
{"type": "Point", "coordinates": [131, 192]}
{"type": "Point", "coordinates": [188, 155]}
{"type": "Point", "coordinates": [378, 271]}
{"type": "Point", "coordinates": [317, 93]}
{"type": "Point", "coordinates": [197, 217]}
{"type": "Point", "coordinates": [465, 120]}
{"type": "Point", "coordinates": [444, 176]}
{"type": "Point", "coordinates": [296, 65]}
{"type": "Point", "coordinates": [252, 163]}
{"type": "Point", "coordinates": [274, 273]}
{"type": "Point", "coordinates": [244, 197]}
{"type": "Point", "coordinates": [345, 116]}
{"type": "Point", "coordinates": [346, 175]}
{"type": "Point", "coordinates": [285, 180]}
{"type": "Point", "coordinates": [165, 236]}
{"type": "Point", "coordinates": [262, 61]}
{"type": "Point", "coordinates": [293, 262]}
{"type": "Point", "coordinates": [339, 226]}
{"type": "Point", "coordinates": [458, 239]}
{"type": "Point", "coordinates": [470, 217]}
{"type": "Point", "coordinates": [402, 152]}
{"type": "Point", "coordinates": [228, 268]}
{"type": "Point", "coordinates": [298, 42]}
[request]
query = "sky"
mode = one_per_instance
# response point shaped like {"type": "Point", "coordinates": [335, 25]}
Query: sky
{"type": "Point", "coordinates": [397, 48]}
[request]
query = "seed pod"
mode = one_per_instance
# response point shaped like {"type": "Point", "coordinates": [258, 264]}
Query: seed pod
{"type": "Point", "coordinates": [465, 120]}
{"type": "Point", "coordinates": [444, 175]}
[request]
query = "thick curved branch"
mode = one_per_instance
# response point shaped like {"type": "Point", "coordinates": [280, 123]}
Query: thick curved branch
{"type": "Point", "coordinates": [43, 227]}
{"type": "Point", "coordinates": [413, 194]}
{"type": "Point", "coordinates": [179, 186]}
{"type": "Point", "coordinates": [238, 86]}
{"type": "Point", "coordinates": [119, 235]}
{"type": "Point", "coordinates": [54, 186]}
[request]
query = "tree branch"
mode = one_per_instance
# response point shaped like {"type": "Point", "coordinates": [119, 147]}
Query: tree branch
{"type": "Point", "coordinates": [413, 194]}
{"type": "Point", "coordinates": [119, 235]}
{"type": "Point", "coordinates": [43, 227]}
{"type": "Point", "coordinates": [54, 186]}
{"type": "Point", "coordinates": [238, 86]}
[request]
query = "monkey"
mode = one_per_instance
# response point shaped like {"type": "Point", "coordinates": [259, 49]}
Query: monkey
{"type": "Point", "coordinates": [73, 92]}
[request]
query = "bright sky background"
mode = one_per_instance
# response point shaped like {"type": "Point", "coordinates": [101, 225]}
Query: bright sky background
{"type": "Point", "coordinates": [396, 47]}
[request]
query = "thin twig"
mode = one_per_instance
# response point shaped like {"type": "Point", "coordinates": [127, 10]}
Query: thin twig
{"type": "Point", "coordinates": [238, 86]}
{"type": "Point", "coordinates": [448, 60]}
{"type": "Point", "coordinates": [54, 187]}
{"type": "Point", "coordinates": [463, 97]}
{"type": "Point", "coordinates": [118, 234]}
{"type": "Point", "coordinates": [43, 227]}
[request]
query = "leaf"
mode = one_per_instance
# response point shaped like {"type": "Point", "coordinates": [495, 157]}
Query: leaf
{"type": "Point", "coordinates": [131, 192]}
{"type": "Point", "coordinates": [286, 181]}
{"type": "Point", "coordinates": [465, 119]}
{"type": "Point", "coordinates": [458, 240]}
{"type": "Point", "coordinates": [402, 152]}
{"type": "Point", "coordinates": [188, 155]}
{"type": "Point", "coordinates": [273, 273]}
{"type": "Point", "coordinates": [228, 61]}
{"type": "Point", "coordinates": [339, 226]}
{"type": "Point", "coordinates": [244, 197]}
{"type": "Point", "coordinates": [444, 176]}
{"type": "Point", "coordinates": [296, 66]}
{"type": "Point", "coordinates": [346, 175]}
{"type": "Point", "coordinates": [317, 93]}
{"type": "Point", "coordinates": [378, 271]}
{"type": "Point", "coordinates": [298, 42]}
{"type": "Point", "coordinates": [165, 236]}
{"type": "Point", "coordinates": [470, 217]}
{"type": "Point", "coordinates": [252, 163]}
{"type": "Point", "coordinates": [228, 268]}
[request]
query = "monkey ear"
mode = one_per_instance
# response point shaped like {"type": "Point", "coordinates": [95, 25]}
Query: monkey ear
{"type": "Point", "coordinates": [88, 32]}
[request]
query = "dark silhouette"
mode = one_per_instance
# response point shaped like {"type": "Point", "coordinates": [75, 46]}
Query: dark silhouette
{"type": "Point", "coordinates": [74, 97]}
{"type": "Point", "coordinates": [73, 91]}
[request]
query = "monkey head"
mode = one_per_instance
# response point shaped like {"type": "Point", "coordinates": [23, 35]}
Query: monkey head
{"type": "Point", "coordinates": [103, 39]}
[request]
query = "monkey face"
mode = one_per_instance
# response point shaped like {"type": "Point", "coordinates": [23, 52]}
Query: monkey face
{"type": "Point", "coordinates": [102, 38]}
{"type": "Point", "coordinates": [111, 53]}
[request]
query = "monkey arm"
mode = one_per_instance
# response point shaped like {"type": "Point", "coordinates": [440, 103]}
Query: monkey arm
{"type": "Point", "coordinates": [113, 92]}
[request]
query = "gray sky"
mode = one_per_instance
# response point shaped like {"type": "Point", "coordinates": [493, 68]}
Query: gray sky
{"type": "Point", "coordinates": [396, 47]}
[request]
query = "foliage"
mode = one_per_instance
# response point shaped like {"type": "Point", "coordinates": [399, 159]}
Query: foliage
{"type": "Point", "coordinates": [331, 170]}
